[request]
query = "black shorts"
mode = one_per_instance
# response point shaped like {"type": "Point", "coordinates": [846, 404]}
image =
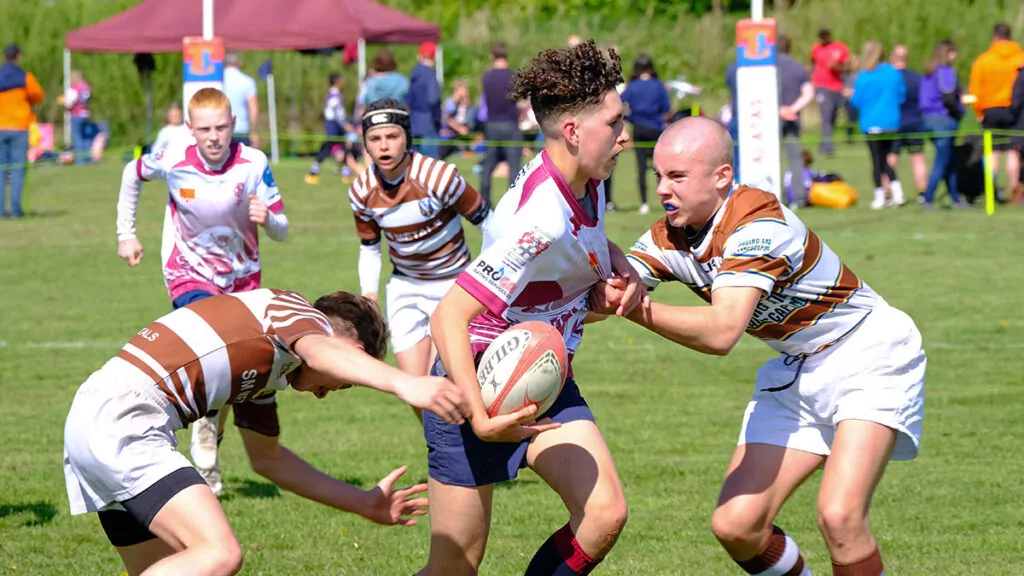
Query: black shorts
{"type": "Point", "coordinates": [130, 526]}
{"type": "Point", "coordinates": [909, 139]}
{"type": "Point", "coordinates": [1000, 119]}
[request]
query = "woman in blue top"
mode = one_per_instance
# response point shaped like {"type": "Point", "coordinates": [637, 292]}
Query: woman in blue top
{"type": "Point", "coordinates": [878, 93]}
{"type": "Point", "coordinates": [648, 103]}
{"type": "Point", "coordinates": [939, 101]}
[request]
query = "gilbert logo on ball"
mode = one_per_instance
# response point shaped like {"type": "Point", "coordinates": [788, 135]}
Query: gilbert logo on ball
{"type": "Point", "coordinates": [526, 365]}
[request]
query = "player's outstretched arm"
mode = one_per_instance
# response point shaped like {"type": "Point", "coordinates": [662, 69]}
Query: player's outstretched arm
{"type": "Point", "coordinates": [129, 248]}
{"type": "Point", "coordinates": [711, 329]}
{"type": "Point", "coordinates": [449, 327]}
{"type": "Point", "coordinates": [633, 289]}
{"type": "Point", "coordinates": [382, 504]}
{"type": "Point", "coordinates": [348, 363]}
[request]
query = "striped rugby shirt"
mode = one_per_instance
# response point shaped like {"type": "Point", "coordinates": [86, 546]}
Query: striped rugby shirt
{"type": "Point", "coordinates": [420, 217]}
{"type": "Point", "coordinates": [810, 299]}
{"type": "Point", "coordinates": [227, 349]}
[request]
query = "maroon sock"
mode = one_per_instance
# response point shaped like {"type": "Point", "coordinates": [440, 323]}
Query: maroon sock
{"type": "Point", "coordinates": [561, 555]}
{"type": "Point", "coordinates": [870, 566]}
{"type": "Point", "coordinates": [773, 554]}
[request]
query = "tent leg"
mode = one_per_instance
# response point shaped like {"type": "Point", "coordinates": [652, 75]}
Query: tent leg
{"type": "Point", "coordinates": [362, 60]}
{"type": "Point", "coordinates": [439, 66]}
{"type": "Point", "coordinates": [67, 86]}
{"type": "Point", "coordinates": [275, 156]}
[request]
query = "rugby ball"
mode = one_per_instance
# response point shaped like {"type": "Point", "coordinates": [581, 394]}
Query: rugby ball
{"type": "Point", "coordinates": [526, 364]}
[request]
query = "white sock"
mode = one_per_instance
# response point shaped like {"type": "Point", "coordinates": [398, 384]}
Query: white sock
{"type": "Point", "coordinates": [897, 191]}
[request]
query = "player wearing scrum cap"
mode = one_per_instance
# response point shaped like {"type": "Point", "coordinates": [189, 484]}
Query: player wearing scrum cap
{"type": "Point", "coordinates": [231, 349]}
{"type": "Point", "coordinates": [220, 194]}
{"type": "Point", "coordinates": [417, 203]}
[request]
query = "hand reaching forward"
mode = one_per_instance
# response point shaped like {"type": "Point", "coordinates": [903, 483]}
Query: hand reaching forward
{"type": "Point", "coordinates": [388, 506]}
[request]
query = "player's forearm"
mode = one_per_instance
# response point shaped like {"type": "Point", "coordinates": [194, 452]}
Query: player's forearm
{"type": "Point", "coordinates": [450, 331]}
{"type": "Point", "coordinates": [697, 328]}
{"type": "Point", "coordinates": [620, 265]}
{"type": "Point", "coordinates": [369, 268]}
{"type": "Point", "coordinates": [343, 361]}
{"type": "Point", "coordinates": [294, 474]}
{"type": "Point", "coordinates": [128, 199]}
{"type": "Point", "coordinates": [276, 226]}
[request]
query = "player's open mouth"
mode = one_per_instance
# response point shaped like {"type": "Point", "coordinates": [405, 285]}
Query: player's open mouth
{"type": "Point", "coordinates": [385, 159]}
{"type": "Point", "coordinates": [670, 208]}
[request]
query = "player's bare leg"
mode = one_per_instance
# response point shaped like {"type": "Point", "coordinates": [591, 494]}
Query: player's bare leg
{"type": "Point", "coordinates": [460, 521]}
{"type": "Point", "coordinates": [761, 478]}
{"type": "Point", "coordinates": [138, 557]}
{"type": "Point", "coordinates": [417, 361]}
{"type": "Point", "coordinates": [575, 461]}
{"type": "Point", "coordinates": [193, 524]}
{"type": "Point", "coordinates": [860, 452]}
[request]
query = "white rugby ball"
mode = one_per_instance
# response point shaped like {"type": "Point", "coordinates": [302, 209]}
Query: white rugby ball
{"type": "Point", "coordinates": [527, 364]}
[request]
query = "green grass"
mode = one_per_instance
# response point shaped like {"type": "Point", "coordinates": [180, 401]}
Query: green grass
{"type": "Point", "coordinates": [670, 415]}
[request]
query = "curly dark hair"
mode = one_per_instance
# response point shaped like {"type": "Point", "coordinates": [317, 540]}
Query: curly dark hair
{"type": "Point", "coordinates": [562, 81]}
{"type": "Point", "coordinates": [356, 317]}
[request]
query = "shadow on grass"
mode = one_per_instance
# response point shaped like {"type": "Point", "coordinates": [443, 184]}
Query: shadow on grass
{"type": "Point", "coordinates": [252, 489]}
{"type": "Point", "coordinates": [43, 512]}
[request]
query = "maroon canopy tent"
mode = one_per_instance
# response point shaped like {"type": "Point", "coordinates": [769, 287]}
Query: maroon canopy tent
{"type": "Point", "coordinates": [155, 26]}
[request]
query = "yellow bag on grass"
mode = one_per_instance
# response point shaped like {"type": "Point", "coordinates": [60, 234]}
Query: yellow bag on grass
{"type": "Point", "coordinates": [838, 195]}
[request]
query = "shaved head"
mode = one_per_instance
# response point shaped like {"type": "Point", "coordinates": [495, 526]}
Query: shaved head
{"type": "Point", "coordinates": [899, 56]}
{"type": "Point", "coordinates": [701, 137]}
{"type": "Point", "coordinates": [693, 160]}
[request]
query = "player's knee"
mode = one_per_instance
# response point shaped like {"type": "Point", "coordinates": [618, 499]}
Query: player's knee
{"type": "Point", "coordinates": [607, 513]}
{"type": "Point", "coordinates": [733, 523]}
{"type": "Point", "coordinates": [225, 558]}
{"type": "Point", "coordinates": [839, 521]}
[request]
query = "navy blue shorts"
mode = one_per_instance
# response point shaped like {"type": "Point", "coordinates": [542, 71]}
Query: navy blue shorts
{"type": "Point", "coordinates": [457, 457]}
{"type": "Point", "coordinates": [190, 297]}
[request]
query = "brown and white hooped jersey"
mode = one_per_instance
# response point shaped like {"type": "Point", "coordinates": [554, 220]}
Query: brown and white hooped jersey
{"type": "Point", "coordinates": [227, 349]}
{"type": "Point", "coordinates": [810, 299]}
{"type": "Point", "coordinates": [420, 217]}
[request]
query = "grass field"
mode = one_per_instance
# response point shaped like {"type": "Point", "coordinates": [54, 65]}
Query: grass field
{"type": "Point", "coordinates": [670, 415]}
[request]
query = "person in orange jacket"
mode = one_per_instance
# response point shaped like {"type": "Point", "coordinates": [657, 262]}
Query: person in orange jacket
{"type": "Point", "coordinates": [992, 77]}
{"type": "Point", "coordinates": [19, 91]}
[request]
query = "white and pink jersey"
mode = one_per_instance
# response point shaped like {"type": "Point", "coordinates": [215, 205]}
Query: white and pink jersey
{"type": "Point", "coordinates": [542, 252]}
{"type": "Point", "coordinates": [209, 242]}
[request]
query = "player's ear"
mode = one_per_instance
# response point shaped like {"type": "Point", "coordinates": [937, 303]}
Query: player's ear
{"type": "Point", "coordinates": [724, 176]}
{"type": "Point", "coordinates": [570, 130]}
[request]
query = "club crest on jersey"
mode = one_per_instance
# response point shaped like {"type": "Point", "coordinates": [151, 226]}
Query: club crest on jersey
{"type": "Point", "coordinates": [529, 246]}
{"type": "Point", "coordinates": [187, 195]}
{"type": "Point", "coordinates": [428, 206]}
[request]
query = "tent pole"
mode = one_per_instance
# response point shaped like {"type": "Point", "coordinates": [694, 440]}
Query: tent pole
{"type": "Point", "coordinates": [275, 156]}
{"type": "Point", "coordinates": [147, 79]}
{"type": "Point", "coordinates": [207, 19]}
{"type": "Point", "coordinates": [439, 66]}
{"type": "Point", "coordinates": [67, 86]}
{"type": "Point", "coordinates": [362, 60]}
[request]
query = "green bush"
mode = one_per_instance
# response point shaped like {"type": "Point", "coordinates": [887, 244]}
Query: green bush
{"type": "Point", "coordinates": [684, 37]}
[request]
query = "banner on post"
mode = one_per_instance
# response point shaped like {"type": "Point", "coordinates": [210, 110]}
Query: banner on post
{"type": "Point", "coordinates": [203, 65]}
{"type": "Point", "coordinates": [757, 106]}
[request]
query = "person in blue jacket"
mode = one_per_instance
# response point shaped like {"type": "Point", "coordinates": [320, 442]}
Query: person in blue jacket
{"type": "Point", "coordinates": [878, 94]}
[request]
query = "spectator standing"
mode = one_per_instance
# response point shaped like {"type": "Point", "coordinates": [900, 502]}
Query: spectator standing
{"type": "Point", "coordinates": [878, 94]}
{"type": "Point", "coordinates": [385, 80]}
{"type": "Point", "coordinates": [649, 104]}
{"type": "Point", "coordinates": [941, 110]}
{"type": "Point", "coordinates": [796, 91]}
{"type": "Point", "coordinates": [19, 92]}
{"type": "Point", "coordinates": [457, 117]}
{"type": "Point", "coordinates": [502, 124]}
{"type": "Point", "coordinates": [424, 101]}
{"type": "Point", "coordinates": [829, 59]}
{"type": "Point", "coordinates": [991, 83]}
{"type": "Point", "coordinates": [76, 99]}
{"type": "Point", "coordinates": [911, 121]}
{"type": "Point", "coordinates": [241, 91]}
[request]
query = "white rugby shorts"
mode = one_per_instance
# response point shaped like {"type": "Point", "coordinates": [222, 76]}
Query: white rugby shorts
{"type": "Point", "coordinates": [410, 302]}
{"type": "Point", "coordinates": [118, 439]}
{"type": "Point", "coordinates": [876, 374]}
